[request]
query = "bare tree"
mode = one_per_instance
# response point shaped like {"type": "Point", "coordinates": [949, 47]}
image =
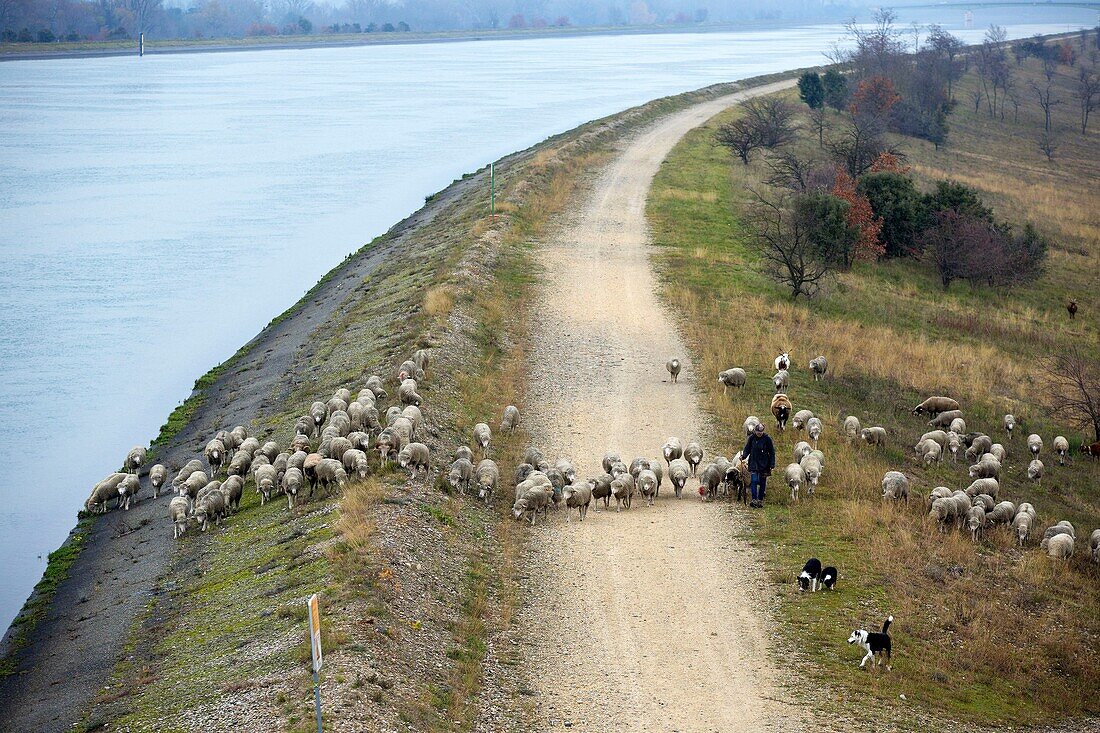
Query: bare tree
{"type": "Point", "coordinates": [740, 136]}
{"type": "Point", "coordinates": [819, 122]}
{"type": "Point", "coordinates": [1048, 145]}
{"type": "Point", "coordinates": [1087, 93]}
{"type": "Point", "coordinates": [792, 257]}
{"type": "Point", "coordinates": [144, 13]}
{"type": "Point", "coordinates": [773, 120]}
{"type": "Point", "coordinates": [1047, 100]}
{"type": "Point", "coordinates": [791, 172]}
{"type": "Point", "coordinates": [1072, 393]}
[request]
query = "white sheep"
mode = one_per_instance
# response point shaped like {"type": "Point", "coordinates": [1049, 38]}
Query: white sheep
{"type": "Point", "coordinates": [874, 435]}
{"type": "Point", "coordinates": [1059, 547]}
{"type": "Point", "coordinates": [781, 380]}
{"type": "Point", "coordinates": [678, 472]}
{"type": "Point", "coordinates": [987, 467]}
{"type": "Point", "coordinates": [750, 423]}
{"type": "Point", "coordinates": [415, 456]}
{"type": "Point", "coordinates": [818, 365]}
{"type": "Point", "coordinates": [895, 485]}
{"type": "Point", "coordinates": [673, 366]}
{"type": "Point", "coordinates": [158, 474]}
{"type": "Point", "coordinates": [814, 426]}
{"type": "Point", "coordinates": [487, 476]}
{"type": "Point", "coordinates": [1094, 545]}
{"type": "Point", "coordinates": [796, 477]}
{"type": "Point", "coordinates": [1035, 471]}
{"type": "Point", "coordinates": [693, 454]}
{"type": "Point", "coordinates": [798, 420]}
{"type": "Point", "coordinates": [134, 459]}
{"type": "Point", "coordinates": [734, 377]}
{"type": "Point", "coordinates": [407, 393]}
{"type": "Point", "coordinates": [852, 427]}
{"type": "Point", "coordinates": [510, 420]}
{"type": "Point", "coordinates": [1034, 444]}
{"type": "Point", "coordinates": [1009, 423]}
{"type": "Point", "coordinates": [179, 512]}
{"type": "Point", "coordinates": [930, 451]}
{"type": "Point", "coordinates": [483, 437]}
{"type": "Point", "coordinates": [672, 449]}
{"type": "Point", "coordinates": [954, 443]}
{"type": "Point", "coordinates": [812, 466]}
{"type": "Point", "coordinates": [975, 522]}
{"type": "Point", "coordinates": [1021, 526]}
{"type": "Point", "coordinates": [1061, 447]}
{"type": "Point", "coordinates": [984, 486]}
{"type": "Point", "coordinates": [998, 452]}
{"type": "Point", "coordinates": [801, 449]}
{"type": "Point", "coordinates": [958, 425]}
{"type": "Point", "coordinates": [577, 496]}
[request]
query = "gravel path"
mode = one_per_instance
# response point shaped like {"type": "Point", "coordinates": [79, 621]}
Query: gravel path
{"type": "Point", "coordinates": [652, 619]}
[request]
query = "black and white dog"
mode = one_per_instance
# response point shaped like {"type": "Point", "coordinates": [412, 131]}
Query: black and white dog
{"type": "Point", "coordinates": [828, 578]}
{"type": "Point", "coordinates": [811, 574]}
{"type": "Point", "coordinates": [876, 644]}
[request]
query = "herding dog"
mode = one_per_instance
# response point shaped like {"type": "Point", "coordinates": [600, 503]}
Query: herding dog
{"type": "Point", "coordinates": [811, 573]}
{"type": "Point", "coordinates": [828, 578]}
{"type": "Point", "coordinates": [734, 479]}
{"type": "Point", "coordinates": [876, 644]}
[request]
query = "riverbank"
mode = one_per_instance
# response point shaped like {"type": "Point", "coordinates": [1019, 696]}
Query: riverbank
{"type": "Point", "coordinates": [142, 626]}
{"type": "Point", "coordinates": [104, 49]}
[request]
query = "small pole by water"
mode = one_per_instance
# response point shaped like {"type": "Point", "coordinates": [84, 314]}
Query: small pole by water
{"type": "Point", "coordinates": [141, 44]}
{"type": "Point", "coordinates": [492, 190]}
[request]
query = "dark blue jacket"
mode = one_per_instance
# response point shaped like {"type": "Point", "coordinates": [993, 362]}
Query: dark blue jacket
{"type": "Point", "coordinates": [761, 453]}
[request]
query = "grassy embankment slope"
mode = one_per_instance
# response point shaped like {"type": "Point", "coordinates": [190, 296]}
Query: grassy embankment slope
{"type": "Point", "coordinates": [415, 581]}
{"type": "Point", "coordinates": [985, 633]}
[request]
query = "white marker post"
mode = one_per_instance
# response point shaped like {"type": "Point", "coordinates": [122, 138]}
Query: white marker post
{"type": "Point", "coordinates": [315, 644]}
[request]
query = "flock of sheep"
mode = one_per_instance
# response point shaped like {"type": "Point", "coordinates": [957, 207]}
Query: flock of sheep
{"type": "Point", "coordinates": [346, 430]}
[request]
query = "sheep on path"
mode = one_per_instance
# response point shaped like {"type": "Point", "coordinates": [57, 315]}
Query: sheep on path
{"type": "Point", "coordinates": [672, 449]}
{"type": "Point", "coordinates": [693, 454]}
{"type": "Point", "coordinates": [673, 366]}
{"type": "Point", "coordinates": [158, 474]}
{"type": "Point", "coordinates": [510, 420]}
{"type": "Point", "coordinates": [678, 472]}
{"type": "Point", "coordinates": [578, 496]}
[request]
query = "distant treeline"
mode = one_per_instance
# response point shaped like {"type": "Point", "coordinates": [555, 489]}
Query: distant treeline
{"type": "Point", "coordinates": [47, 21]}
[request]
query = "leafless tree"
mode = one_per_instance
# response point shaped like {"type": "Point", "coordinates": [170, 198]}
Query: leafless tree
{"type": "Point", "coordinates": [1072, 390]}
{"type": "Point", "coordinates": [819, 122]}
{"type": "Point", "coordinates": [1087, 93]}
{"type": "Point", "coordinates": [1047, 100]}
{"type": "Point", "coordinates": [792, 258]}
{"type": "Point", "coordinates": [773, 120]}
{"type": "Point", "coordinates": [1048, 145]}
{"type": "Point", "coordinates": [144, 12]}
{"type": "Point", "coordinates": [791, 172]}
{"type": "Point", "coordinates": [739, 136]}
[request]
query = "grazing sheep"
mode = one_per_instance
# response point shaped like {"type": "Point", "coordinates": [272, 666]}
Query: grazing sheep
{"type": "Point", "coordinates": [851, 427]}
{"type": "Point", "coordinates": [812, 466]}
{"type": "Point", "coordinates": [734, 377]}
{"type": "Point", "coordinates": [958, 425]}
{"type": "Point", "coordinates": [1021, 526]}
{"type": "Point", "coordinates": [985, 501]}
{"type": "Point", "coordinates": [407, 393]}
{"type": "Point", "coordinates": [979, 445]}
{"type": "Point", "coordinates": [710, 478]}
{"type": "Point", "coordinates": [750, 424]}
{"type": "Point", "coordinates": [1009, 424]}
{"type": "Point", "coordinates": [954, 443]}
{"type": "Point", "coordinates": [249, 446]}
{"type": "Point", "coordinates": [266, 479]}
{"type": "Point", "coordinates": [578, 496]}
{"type": "Point", "coordinates": [940, 492]}
{"type": "Point", "coordinates": [1062, 527]}
{"type": "Point", "coordinates": [819, 366]}
{"type": "Point", "coordinates": [510, 420]}
{"type": "Point", "coordinates": [185, 473]}
{"type": "Point", "coordinates": [134, 459]}
{"type": "Point", "coordinates": [304, 425]}
{"type": "Point", "coordinates": [1059, 547]}
{"type": "Point", "coordinates": [781, 409]}
{"type": "Point", "coordinates": [239, 433]}
{"type": "Point", "coordinates": [672, 449]}
{"type": "Point", "coordinates": [421, 357]}
{"type": "Point", "coordinates": [796, 477]}
{"type": "Point", "coordinates": [566, 469]}
{"type": "Point", "coordinates": [389, 443]}
{"type": "Point", "coordinates": [355, 462]}
{"type": "Point", "coordinates": [1003, 513]}
{"type": "Point", "coordinates": [460, 474]}
{"type": "Point", "coordinates": [781, 380]}
{"type": "Point", "coordinates": [334, 405]}
{"type": "Point", "coordinates": [998, 452]}
{"type": "Point", "coordinates": [874, 435]}
{"type": "Point", "coordinates": [693, 454]}
{"type": "Point", "coordinates": [230, 442]}
{"type": "Point", "coordinates": [944, 419]}
{"type": "Point", "coordinates": [798, 421]}
{"type": "Point", "coordinates": [936, 405]}
{"type": "Point", "coordinates": [678, 472]}
{"type": "Point", "coordinates": [534, 456]}
{"type": "Point", "coordinates": [814, 426]}
{"type": "Point", "coordinates": [1061, 447]}
{"type": "Point", "coordinates": [1035, 471]}
{"type": "Point", "coordinates": [487, 476]}
{"type": "Point", "coordinates": [943, 512]}
{"type": "Point", "coordinates": [1094, 545]}
{"type": "Point", "coordinates": [483, 437]}
{"type": "Point", "coordinates": [984, 486]}
{"type": "Point", "coordinates": [673, 366]}
{"type": "Point", "coordinates": [416, 456]}
{"type": "Point", "coordinates": [895, 485]}
{"type": "Point", "coordinates": [647, 485]}
{"type": "Point", "coordinates": [319, 413]}
{"type": "Point", "coordinates": [783, 361]}
{"type": "Point", "coordinates": [179, 512]}
{"type": "Point", "coordinates": [609, 460]}
{"type": "Point", "coordinates": [212, 506]}
{"type": "Point", "coordinates": [158, 474]}
{"type": "Point", "coordinates": [300, 443]}
{"type": "Point", "coordinates": [463, 451]}
{"type": "Point", "coordinates": [975, 522]}
{"type": "Point", "coordinates": [962, 506]}
{"type": "Point", "coordinates": [234, 491]}
{"type": "Point", "coordinates": [1034, 444]}
{"type": "Point", "coordinates": [329, 472]}
{"type": "Point", "coordinates": [987, 467]}
{"type": "Point", "coordinates": [374, 384]}
{"type": "Point", "coordinates": [337, 447]}
{"type": "Point", "coordinates": [930, 451]}
{"type": "Point", "coordinates": [533, 502]}
{"type": "Point", "coordinates": [409, 369]}
{"type": "Point", "coordinates": [937, 435]}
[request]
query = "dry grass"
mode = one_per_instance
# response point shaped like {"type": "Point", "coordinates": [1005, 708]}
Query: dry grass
{"type": "Point", "coordinates": [985, 633]}
{"type": "Point", "coordinates": [439, 301]}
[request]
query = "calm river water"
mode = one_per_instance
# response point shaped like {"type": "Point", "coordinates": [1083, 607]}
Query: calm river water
{"type": "Point", "coordinates": [141, 199]}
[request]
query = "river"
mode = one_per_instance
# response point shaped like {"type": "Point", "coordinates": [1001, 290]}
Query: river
{"type": "Point", "coordinates": [156, 213]}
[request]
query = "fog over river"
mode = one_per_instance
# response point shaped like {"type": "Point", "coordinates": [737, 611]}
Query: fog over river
{"type": "Point", "coordinates": [156, 213]}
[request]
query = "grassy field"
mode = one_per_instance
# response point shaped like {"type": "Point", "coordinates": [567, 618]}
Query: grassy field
{"type": "Point", "coordinates": [984, 633]}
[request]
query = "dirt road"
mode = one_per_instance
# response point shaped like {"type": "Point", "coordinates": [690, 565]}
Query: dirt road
{"type": "Point", "coordinates": [653, 616]}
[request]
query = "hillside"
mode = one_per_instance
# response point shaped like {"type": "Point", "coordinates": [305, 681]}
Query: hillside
{"type": "Point", "coordinates": [986, 633]}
